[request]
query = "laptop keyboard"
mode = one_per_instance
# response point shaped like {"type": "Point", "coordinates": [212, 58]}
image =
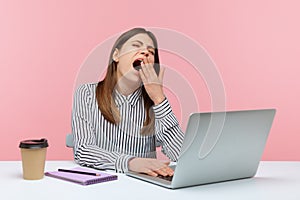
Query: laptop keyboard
{"type": "Point", "coordinates": [168, 178]}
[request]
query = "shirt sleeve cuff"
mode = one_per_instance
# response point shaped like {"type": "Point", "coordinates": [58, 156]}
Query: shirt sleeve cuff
{"type": "Point", "coordinates": [163, 109]}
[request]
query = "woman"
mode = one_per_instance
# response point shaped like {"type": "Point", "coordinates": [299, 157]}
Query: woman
{"type": "Point", "coordinates": [117, 121]}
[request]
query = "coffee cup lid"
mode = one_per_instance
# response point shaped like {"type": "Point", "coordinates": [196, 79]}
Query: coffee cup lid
{"type": "Point", "coordinates": [34, 144]}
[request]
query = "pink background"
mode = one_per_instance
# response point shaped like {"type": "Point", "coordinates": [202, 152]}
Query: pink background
{"type": "Point", "coordinates": [255, 45]}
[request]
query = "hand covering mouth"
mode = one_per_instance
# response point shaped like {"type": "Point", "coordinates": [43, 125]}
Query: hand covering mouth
{"type": "Point", "coordinates": [137, 64]}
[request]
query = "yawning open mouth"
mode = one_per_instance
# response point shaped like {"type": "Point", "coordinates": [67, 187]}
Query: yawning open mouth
{"type": "Point", "coordinates": [137, 64]}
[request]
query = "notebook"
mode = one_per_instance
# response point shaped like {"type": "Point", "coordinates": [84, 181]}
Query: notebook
{"type": "Point", "coordinates": [82, 178]}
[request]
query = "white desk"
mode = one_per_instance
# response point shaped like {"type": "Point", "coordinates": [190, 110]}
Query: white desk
{"type": "Point", "coordinates": [274, 180]}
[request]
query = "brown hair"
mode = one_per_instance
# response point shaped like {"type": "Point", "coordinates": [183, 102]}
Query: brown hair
{"type": "Point", "coordinates": [105, 88]}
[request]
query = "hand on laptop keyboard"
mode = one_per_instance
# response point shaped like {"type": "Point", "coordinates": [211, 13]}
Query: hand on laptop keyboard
{"type": "Point", "coordinates": [150, 166]}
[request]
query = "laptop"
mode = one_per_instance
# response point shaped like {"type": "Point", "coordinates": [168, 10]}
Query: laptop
{"type": "Point", "coordinates": [217, 147]}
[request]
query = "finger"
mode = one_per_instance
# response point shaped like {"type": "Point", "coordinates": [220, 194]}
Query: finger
{"type": "Point", "coordinates": [142, 75]}
{"type": "Point", "coordinates": [161, 172]}
{"type": "Point", "coordinates": [161, 74]}
{"type": "Point", "coordinates": [151, 68]}
{"type": "Point", "coordinates": [151, 173]}
{"type": "Point", "coordinates": [170, 171]}
{"type": "Point", "coordinates": [165, 171]}
{"type": "Point", "coordinates": [145, 69]}
{"type": "Point", "coordinates": [146, 61]}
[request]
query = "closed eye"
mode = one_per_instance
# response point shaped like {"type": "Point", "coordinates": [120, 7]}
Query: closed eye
{"type": "Point", "coordinates": [136, 45]}
{"type": "Point", "coordinates": [152, 52]}
{"type": "Point", "coordinates": [139, 44]}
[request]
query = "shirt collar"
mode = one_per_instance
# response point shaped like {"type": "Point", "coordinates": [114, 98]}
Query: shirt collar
{"type": "Point", "coordinates": [132, 98]}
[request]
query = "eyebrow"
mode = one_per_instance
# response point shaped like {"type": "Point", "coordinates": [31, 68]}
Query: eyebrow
{"type": "Point", "coordinates": [149, 46]}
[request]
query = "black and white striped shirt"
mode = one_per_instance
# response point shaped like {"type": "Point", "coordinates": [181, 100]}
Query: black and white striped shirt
{"type": "Point", "coordinates": [103, 145]}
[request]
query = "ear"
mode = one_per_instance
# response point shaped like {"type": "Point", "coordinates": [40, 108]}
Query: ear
{"type": "Point", "coordinates": [116, 55]}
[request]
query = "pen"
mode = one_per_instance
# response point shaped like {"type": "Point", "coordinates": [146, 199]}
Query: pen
{"type": "Point", "coordinates": [78, 172]}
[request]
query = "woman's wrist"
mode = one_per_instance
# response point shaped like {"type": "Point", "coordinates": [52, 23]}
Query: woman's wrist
{"type": "Point", "coordinates": [158, 100]}
{"type": "Point", "coordinates": [129, 164]}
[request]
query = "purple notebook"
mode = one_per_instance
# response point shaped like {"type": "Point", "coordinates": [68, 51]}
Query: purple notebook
{"type": "Point", "coordinates": [82, 178]}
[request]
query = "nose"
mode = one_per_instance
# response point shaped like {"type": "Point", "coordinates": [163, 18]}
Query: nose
{"type": "Point", "coordinates": [145, 52]}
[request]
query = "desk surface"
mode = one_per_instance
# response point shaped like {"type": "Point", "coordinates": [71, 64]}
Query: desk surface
{"type": "Point", "coordinates": [274, 180]}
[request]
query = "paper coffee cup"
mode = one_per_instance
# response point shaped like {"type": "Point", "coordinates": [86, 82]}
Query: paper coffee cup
{"type": "Point", "coordinates": [33, 158]}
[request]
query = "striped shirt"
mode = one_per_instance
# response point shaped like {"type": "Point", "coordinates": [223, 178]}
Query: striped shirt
{"type": "Point", "coordinates": [103, 145]}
